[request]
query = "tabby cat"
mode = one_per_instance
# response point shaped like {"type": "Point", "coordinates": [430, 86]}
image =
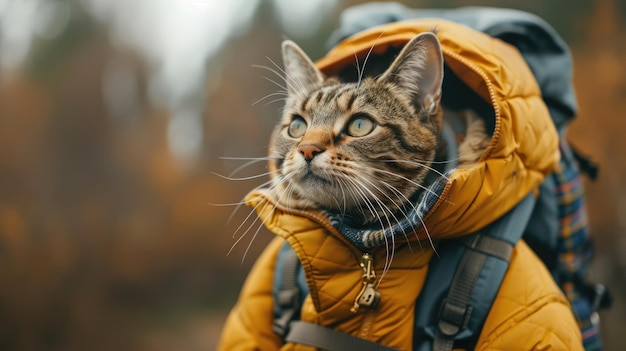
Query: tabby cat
{"type": "Point", "coordinates": [363, 148]}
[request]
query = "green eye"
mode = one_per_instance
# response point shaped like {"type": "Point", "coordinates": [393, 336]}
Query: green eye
{"type": "Point", "coordinates": [297, 127]}
{"type": "Point", "coordinates": [360, 126]}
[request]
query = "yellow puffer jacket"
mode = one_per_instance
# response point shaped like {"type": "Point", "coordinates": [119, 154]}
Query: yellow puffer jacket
{"type": "Point", "coordinates": [529, 313]}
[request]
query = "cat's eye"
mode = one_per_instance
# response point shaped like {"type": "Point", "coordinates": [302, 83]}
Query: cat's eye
{"type": "Point", "coordinates": [360, 126]}
{"type": "Point", "coordinates": [297, 127]}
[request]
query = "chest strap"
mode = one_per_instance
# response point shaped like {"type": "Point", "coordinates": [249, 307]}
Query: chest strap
{"type": "Point", "coordinates": [314, 335]}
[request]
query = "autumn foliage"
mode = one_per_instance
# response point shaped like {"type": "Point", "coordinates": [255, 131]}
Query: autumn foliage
{"type": "Point", "coordinates": [108, 241]}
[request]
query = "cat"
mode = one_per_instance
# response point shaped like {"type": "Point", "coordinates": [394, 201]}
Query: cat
{"type": "Point", "coordinates": [363, 148]}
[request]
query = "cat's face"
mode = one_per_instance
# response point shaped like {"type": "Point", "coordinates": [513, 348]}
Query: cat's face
{"type": "Point", "coordinates": [361, 148]}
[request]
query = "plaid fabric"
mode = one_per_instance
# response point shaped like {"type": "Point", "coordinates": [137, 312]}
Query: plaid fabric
{"type": "Point", "coordinates": [574, 245]}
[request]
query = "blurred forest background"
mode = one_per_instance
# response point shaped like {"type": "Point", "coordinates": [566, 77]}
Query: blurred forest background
{"type": "Point", "coordinates": [114, 117]}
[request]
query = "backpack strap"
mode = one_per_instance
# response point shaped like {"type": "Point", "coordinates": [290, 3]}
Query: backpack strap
{"type": "Point", "coordinates": [463, 281]}
{"type": "Point", "coordinates": [324, 338]}
{"type": "Point", "coordinates": [456, 307]}
{"type": "Point", "coordinates": [289, 291]}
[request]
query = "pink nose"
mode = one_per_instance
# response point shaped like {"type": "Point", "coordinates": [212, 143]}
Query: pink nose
{"type": "Point", "coordinates": [309, 151]}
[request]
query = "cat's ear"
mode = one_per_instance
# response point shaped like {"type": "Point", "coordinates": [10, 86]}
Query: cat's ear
{"type": "Point", "coordinates": [300, 71]}
{"type": "Point", "coordinates": [418, 72]}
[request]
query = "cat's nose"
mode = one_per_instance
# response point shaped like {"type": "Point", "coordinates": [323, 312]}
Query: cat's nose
{"type": "Point", "coordinates": [309, 151]}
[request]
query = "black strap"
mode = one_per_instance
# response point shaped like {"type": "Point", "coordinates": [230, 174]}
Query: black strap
{"type": "Point", "coordinates": [491, 246]}
{"type": "Point", "coordinates": [456, 309]}
{"type": "Point", "coordinates": [495, 242]}
{"type": "Point", "coordinates": [328, 339]}
{"type": "Point", "coordinates": [288, 296]}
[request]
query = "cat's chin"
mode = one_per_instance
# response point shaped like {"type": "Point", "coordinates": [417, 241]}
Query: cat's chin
{"type": "Point", "coordinates": [319, 194]}
{"type": "Point", "coordinates": [314, 181]}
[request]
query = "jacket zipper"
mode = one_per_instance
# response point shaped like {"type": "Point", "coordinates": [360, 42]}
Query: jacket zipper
{"type": "Point", "coordinates": [368, 298]}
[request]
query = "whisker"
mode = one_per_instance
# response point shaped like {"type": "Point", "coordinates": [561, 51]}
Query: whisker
{"type": "Point", "coordinates": [246, 178]}
{"type": "Point", "coordinates": [289, 80]}
{"type": "Point", "coordinates": [275, 100]}
{"type": "Point", "coordinates": [386, 209]}
{"type": "Point", "coordinates": [252, 160]}
{"type": "Point", "coordinates": [401, 196]}
{"type": "Point", "coordinates": [358, 68]}
{"type": "Point", "coordinates": [254, 236]}
{"type": "Point", "coordinates": [405, 179]}
{"type": "Point", "coordinates": [241, 203]}
{"type": "Point", "coordinates": [367, 57]}
{"type": "Point", "coordinates": [267, 158]}
{"type": "Point", "coordinates": [276, 83]}
{"type": "Point", "coordinates": [244, 233]}
{"type": "Point", "coordinates": [291, 83]}
{"type": "Point", "coordinates": [257, 218]}
{"type": "Point", "coordinates": [262, 222]}
{"type": "Point", "coordinates": [430, 239]}
{"type": "Point", "coordinates": [279, 67]}
{"type": "Point", "coordinates": [227, 204]}
{"type": "Point", "coordinates": [245, 221]}
{"type": "Point", "coordinates": [288, 190]}
{"type": "Point", "coordinates": [423, 224]}
{"type": "Point", "coordinates": [459, 157]}
{"type": "Point", "coordinates": [414, 163]}
{"type": "Point", "coordinates": [280, 72]}
{"type": "Point", "coordinates": [278, 93]}
{"type": "Point", "coordinates": [358, 187]}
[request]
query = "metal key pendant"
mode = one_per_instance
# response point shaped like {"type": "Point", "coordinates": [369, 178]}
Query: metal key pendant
{"type": "Point", "coordinates": [357, 304]}
{"type": "Point", "coordinates": [370, 297]}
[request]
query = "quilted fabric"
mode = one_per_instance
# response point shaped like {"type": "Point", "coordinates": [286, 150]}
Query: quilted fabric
{"type": "Point", "coordinates": [530, 312]}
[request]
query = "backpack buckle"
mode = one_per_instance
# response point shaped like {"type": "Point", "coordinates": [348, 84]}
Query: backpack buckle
{"type": "Point", "coordinates": [288, 298]}
{"type": "Point", "coordinates": [289, 302]}
{"type": "Point", "coordinates": [453, 318]}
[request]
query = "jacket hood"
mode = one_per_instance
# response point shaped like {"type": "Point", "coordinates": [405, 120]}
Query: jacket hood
{"type": "Point", "coordinates": [523, 147]}
{"type": "Point", "coordinates": [543, 49]}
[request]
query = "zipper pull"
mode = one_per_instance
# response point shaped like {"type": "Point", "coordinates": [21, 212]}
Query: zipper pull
{"type": "Point", "coordinates": [368, 297]}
